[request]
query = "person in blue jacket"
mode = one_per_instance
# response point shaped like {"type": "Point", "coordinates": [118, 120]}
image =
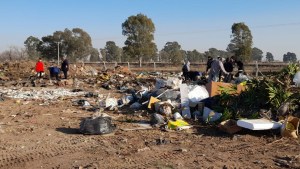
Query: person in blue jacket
{"type": "Point", "coordinates": [54, 72]}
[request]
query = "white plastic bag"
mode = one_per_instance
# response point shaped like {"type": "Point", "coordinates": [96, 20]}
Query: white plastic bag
{"type": "Point", "coordinates": [296, 79]}
{"type": "Point", "coordinates": [197, 94]}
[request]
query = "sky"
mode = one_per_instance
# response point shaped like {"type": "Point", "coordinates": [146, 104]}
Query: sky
{"type": "Point", "coordinates": [194, 24]}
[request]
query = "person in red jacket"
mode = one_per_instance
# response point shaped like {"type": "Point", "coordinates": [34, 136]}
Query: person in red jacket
{"type": "Point", "coordinates": [39, 67]}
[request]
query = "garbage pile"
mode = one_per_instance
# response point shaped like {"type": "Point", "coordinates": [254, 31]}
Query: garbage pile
{"type": "Point", "coordinates": [260, 104]}
{"type": "Point", "coordinates": [267, 103]}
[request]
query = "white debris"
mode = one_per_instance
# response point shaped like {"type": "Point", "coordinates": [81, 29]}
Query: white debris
{"type": "Point", "coordinates": [38, 93]}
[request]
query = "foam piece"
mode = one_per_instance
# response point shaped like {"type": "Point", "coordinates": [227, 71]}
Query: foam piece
{"type": "Point", "coordinates": [258, 124]}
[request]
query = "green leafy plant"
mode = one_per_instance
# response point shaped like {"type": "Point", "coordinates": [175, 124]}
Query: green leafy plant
{"type": "Point", "coordinates": [277, 94]}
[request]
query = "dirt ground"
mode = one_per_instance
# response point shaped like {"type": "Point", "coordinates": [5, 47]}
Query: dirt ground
{"type": "Point", "coordinates": [44, 133]}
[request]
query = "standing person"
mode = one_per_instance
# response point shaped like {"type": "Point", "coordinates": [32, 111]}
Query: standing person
{"type": "Point", "coordinates": [220, 73]}
{"type": "Point", "coordinates": [240, 67]}
{"type": "Point", "coordinates": [228, 66]}
{"type": "Point", "coordinates": [65, 67]}
{"type": "Point", "coordinates": [215, 69]}
{"type": "Point", "coordinates": [185, 70]}
{"type": "Point", "coordinates": [208, 64]}
{"type": "Point", "coordinates": [39, 68]}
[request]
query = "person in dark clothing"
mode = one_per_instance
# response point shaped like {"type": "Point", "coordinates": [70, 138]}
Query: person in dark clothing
{"type": "Point", "coordinates": [208, 64]}
{"type": "Point", "coordinates": [185, 70]}
{"type": "Point", "coordinates": [228, 66]}
{"type": "Point", "coordinates": [194, 75]}
{"type": "Point", "coordinates": [65, 67]}
{"type": "Point", "coordinates": [240, 67]}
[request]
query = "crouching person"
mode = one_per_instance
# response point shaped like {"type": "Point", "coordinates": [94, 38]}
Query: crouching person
{"type": "Point", "coordinates": [54, 72]}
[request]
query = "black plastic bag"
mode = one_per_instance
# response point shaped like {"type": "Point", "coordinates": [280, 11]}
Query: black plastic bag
{"type": "Point", "coordinates": [98, 125]}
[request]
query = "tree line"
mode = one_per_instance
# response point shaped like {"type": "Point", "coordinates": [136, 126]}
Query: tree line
{"type": "Point", "coordinates": [76, 44]}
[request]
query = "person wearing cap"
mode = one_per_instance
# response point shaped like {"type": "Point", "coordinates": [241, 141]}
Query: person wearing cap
{"type": "Point", "coordinates": [215, 70]}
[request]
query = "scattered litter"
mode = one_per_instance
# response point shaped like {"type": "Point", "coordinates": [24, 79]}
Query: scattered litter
{"type": "Point", "coordinates": [173, 82]}
{"type": "Point", "coordinates": [98, 125]}
{"type": "Point", "coordinates": [177, 116]}
{"type": "Point", "coordinates": [229, 126]}
{"type": "Point", "coordinates": [197, 93]}
{"type": "Point", "coordinates": [210, 116]}
{"type": "Point", "coordinates": [157, 119]}
{"type": "Point", "coordinates": [111, 103]}
{"type": "Point", "coordinates": [164, 108]}
{"type": "Point", "coordinates": [136, 106]}
{"type": "Point", "coordinates": [186, 112]}
{"type": "Point", "coordinates": [126, 99]}
{"type": "Point", "coordinates": [177, 124]}
{"type": "Point", "coordinates": [152, 101]}
{"type": "Point", "coordinates": [258, 124]}
{"type": "Point", "coordinates": [82, 102]}
{"type": "Point", "coordinates": [160, 83]}
{"type": "Point", "coordinates": [296, 79]}
{"type": "Point", "coordinates": [91, 94]}
{"type": "Point", "coordinates": [290, 127]}
{"type": "Point", "coordinates": [38, 93]}
{"type": "Point", "coordinates": [142, 126]}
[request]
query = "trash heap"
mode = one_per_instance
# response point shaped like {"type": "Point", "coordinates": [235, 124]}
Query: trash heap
{"type": "Point", "coordinates": [270, 102]}
{"type": "Point", "coordinates": [265, 103]}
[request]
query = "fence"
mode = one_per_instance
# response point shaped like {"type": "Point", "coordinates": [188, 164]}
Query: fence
{"type": "Point", "coordinates": [253, 67]}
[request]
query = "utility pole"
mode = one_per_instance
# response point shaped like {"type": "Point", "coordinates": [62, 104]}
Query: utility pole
{"type": "Point", "coordinates": [58, 52]}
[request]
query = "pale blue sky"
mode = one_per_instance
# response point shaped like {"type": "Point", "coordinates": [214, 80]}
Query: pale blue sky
{"type": "Point", "coordinates": [194, 24]}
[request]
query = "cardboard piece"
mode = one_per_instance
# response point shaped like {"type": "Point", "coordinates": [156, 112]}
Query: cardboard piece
{"type": "Point", "coordinates": [229, 126]}
{"type": "Point", "coordinates": [290, 127]}
{"type": "Point", "coordinates": [213, 88]}
{"type": "Point", "coordinates": [258, 124]}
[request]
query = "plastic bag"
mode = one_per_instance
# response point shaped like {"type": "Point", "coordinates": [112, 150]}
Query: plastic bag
{"type": "Point", "coordinates": [296, 79]}
{"type": "Point", "coordinates": [197, 94]}
{"type": "Point", "coordinates": [98, 125]}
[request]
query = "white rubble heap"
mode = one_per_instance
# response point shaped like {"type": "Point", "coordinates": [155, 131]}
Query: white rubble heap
{"type": "Point", "coordinates": [38, 93]}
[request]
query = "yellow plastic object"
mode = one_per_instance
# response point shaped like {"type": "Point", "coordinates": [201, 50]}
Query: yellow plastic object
{"type": "Point", "coordinates": [140, 76]}
{"type": "Point", "coordinates": [176, 124]}
{"type": "Point", "coordinates": [104, 77]}
{"type": "Point", "coordinates": [152, 101]}
{"type": "Point", "coordinates": [243, 83]}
